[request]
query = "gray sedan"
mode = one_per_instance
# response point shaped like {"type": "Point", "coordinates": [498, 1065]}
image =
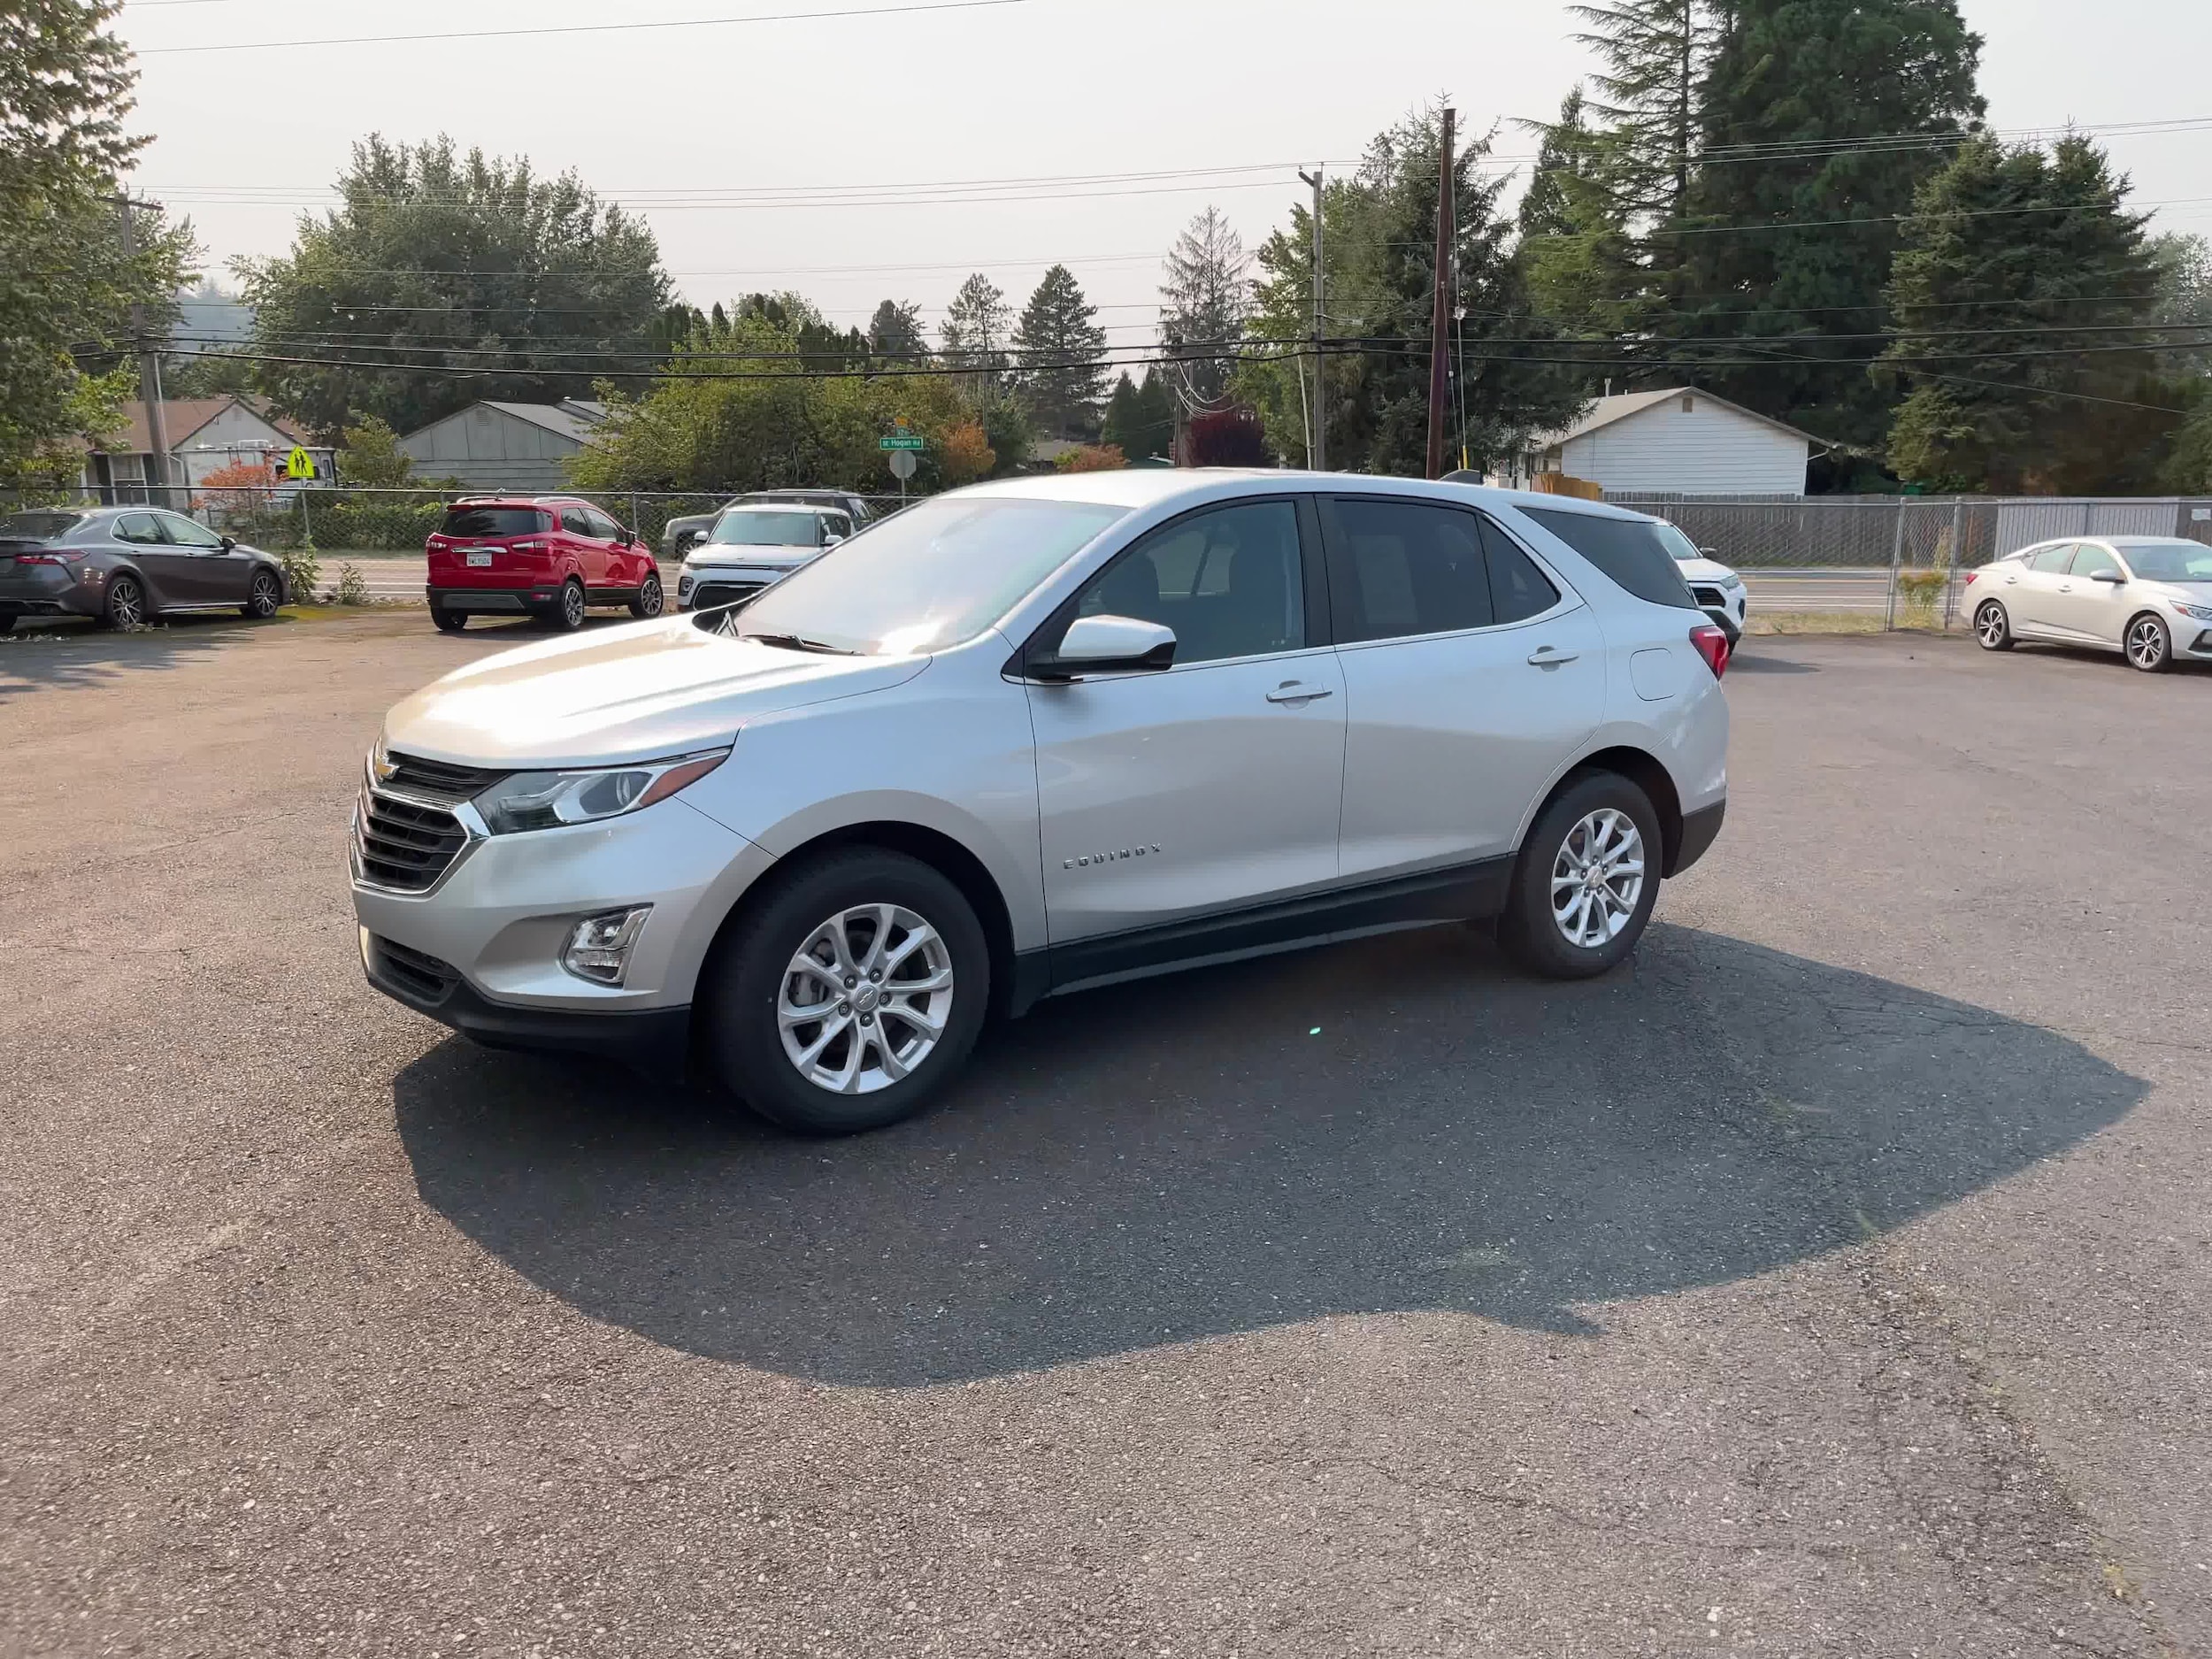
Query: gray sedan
{"type": "Point", "coordinates": [125, 565]}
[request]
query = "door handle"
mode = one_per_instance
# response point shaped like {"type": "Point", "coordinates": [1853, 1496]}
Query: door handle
{"type": "Point", "coordinates": [1544, 657]}
{"type": "Point", "coordinates": [1297, 691]}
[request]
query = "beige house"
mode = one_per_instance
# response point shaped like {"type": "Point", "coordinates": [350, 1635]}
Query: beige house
{"type": "Point", "coordinates": [204, 434]}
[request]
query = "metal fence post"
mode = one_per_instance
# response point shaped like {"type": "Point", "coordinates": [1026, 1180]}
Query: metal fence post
{"type": "Point", "coordinates": [1958, 557]}
{"type": "Point", "coordinates": [307, 523]}
{"type": "Point", "coordinates": [1896, 557]}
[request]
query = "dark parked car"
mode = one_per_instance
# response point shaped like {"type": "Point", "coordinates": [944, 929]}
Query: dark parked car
{"type": "Point", "coordinates": [679, 536]}
{"type": "Point", "coordinates": [125, 565]}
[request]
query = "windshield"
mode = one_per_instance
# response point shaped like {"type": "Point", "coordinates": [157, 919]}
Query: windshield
{"type": "Point", "coordinates": [936, 574]}
{"type": "Point", "coordinates": [2169, 561]}
{"type": "Point", "coordinates": [764, 529]}
{"type": "Point", "coordinates": [1626, 549]}
{"type": "Point", "coordinates": [38, 527]}
{"type": "Point", "coordinates": [1672, 539]}
{"type": "Point", "coordinates": [492, 521]}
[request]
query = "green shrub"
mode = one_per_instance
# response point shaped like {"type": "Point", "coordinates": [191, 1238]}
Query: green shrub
{"type": "Point", "coordinates": [303, 571]}
{"type": "Point", "coordinates": [1922, 591]}
{"type": "Point", "coordinates": [353, 587]}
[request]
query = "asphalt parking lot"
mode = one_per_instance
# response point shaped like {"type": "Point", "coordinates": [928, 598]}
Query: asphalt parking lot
{"type": "Point", "coordinates": [1836, 1279]}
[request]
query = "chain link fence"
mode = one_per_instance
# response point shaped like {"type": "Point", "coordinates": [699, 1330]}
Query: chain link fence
{"type": "Point", "coordinates": [1900, 560]}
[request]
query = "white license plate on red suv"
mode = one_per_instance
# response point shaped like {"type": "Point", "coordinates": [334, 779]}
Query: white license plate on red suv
{"type": "Point", "coordinates": [479, 559]}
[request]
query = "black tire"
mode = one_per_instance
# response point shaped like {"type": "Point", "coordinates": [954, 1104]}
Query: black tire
{"type": "Point", "coordinates": [2148, 644]}
{"type": "Point", "coordinates": [447, 621]}
{"type": "Point", "coordinates": [125, 605]}
{"type": "Point", "coordinates": [567, 613]}
{"type": "Point", "coordinates": [742, 1030]}
{"type": "Point", "coordinates": [1530, 930]}
{"type": "Point", "coordinates": [264, 594]}
{"type": "Point", "coordinates": [650, 600]}
{"type": "Point", "coordinates": [1993, 626]}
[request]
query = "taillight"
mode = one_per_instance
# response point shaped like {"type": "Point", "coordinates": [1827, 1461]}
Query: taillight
{"type": "Point", "coordinates": [1712, 645]}
{"type": "Point", "coordinates": [41, 558]}
{"type": "Point", "coordinates": [1970, 575]}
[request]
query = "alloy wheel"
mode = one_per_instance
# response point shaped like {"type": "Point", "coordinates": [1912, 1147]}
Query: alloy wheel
{"type": "Point", "coordinates": [649, 597]}
{"type": "Point", "coordinates": [127, 609]}
{"type": "Point", "coordinates": [572, 605]}
{"type": "Point", "coordinates": [264, 597]}
{"type": "Point", "coordinates": [865, 999]}
{"type": "Point", "coordinates": [1989, 625]}
{"type": "Point", "coordinates": [1597, 878]}
{"type": "Point", "coordinates": [2147, 642]}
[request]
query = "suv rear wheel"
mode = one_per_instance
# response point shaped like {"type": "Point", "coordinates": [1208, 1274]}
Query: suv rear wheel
{"type": "Point", "coordinates": [567, 613]}
{"type": "Point", "coordinates": [849, 995]}
{"type": "Point", "coordinates": [1586, 880]}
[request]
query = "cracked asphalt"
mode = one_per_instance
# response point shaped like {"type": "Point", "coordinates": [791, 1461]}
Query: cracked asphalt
{"type": "Point", "coordinates": [1834, 1280]}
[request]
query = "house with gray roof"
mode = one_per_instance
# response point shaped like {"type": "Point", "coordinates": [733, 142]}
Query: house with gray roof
{"type": "Point", "coordinates": [498, 446]}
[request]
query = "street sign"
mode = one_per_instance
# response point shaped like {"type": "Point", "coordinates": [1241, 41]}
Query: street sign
{"type": "Point", "coordinates": [903, 440]}
{"type": "Point", "coordinates": [902, 464]}
{"type": "Point", "coordinates": [299, 463]}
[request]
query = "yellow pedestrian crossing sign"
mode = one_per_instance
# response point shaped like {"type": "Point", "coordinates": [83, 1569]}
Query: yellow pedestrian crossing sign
{"type": "Point", "coordinates": [299, 463]}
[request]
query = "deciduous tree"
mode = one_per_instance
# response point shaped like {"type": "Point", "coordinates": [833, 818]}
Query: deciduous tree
{"type": "Point", "coordinates": [445, 277]}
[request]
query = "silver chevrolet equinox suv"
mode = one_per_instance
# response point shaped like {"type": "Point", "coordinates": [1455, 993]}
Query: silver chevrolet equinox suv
{"type": "Point", "coordinates": [1035, 736]}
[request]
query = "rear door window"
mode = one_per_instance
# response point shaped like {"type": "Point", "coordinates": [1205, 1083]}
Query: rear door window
{"type": "Point", "coordinates": [488, 522]}
{"type": "Point", "coordinates": [140, 529]}
{"type": "Point", "coordinates": [1628, 550]}
{"type": "Point", "coordinates": [2053, 561]}
{"type": "Point", "coordinates": [1401, 568]}
{"type": "Point", "coordinates": [1518, 590]}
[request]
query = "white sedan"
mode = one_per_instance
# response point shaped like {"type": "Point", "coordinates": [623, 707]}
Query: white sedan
{"type": "Point", "coordinates": [2148, 597]}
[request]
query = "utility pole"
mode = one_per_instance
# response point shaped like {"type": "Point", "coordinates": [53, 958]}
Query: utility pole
{"type": "Point", "coordinates": [1441, 312]}
{"type": "Point", "coordinates": [149, 370]}
{"type": "Point", "coordinates": [1319, 446]}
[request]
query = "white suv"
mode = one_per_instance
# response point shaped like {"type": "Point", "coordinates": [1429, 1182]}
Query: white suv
{"type": "Point", "coordinates": [753, 546]}
{"type": "Point", "coordinates": [1037, 735]}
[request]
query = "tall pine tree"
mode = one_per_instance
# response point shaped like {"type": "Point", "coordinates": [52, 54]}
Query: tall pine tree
{"type": "Point", "coordinates": [1060, 350]}
{"type": "Point", "coordinates": [976, 330]}
{"type": "Point", "coordinates": [1576, 253]}
{"type": "Point", "coordinates": [1653, 54]}
{"type": "Point", "coordinates": [1820, 119]}
{"type": "Point", "coordinates": [2018, 300]}
{"type": "Point", "coordinates": [1205, 299]}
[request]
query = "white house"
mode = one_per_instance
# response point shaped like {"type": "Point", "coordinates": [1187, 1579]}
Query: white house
{"type": "Point", "coordinates": [1676, 441]}
{"type": "Point", "coordinates": [204, 434]}
{"type": "Point", "coordinates": [506, 445]}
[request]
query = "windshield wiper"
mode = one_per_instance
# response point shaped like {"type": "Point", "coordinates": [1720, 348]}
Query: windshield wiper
{"type": "Point", "coordinates": [793, 643]}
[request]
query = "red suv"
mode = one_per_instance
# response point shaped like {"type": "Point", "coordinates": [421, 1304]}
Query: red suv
{"type": "Point", "coordinates": [549, 556]}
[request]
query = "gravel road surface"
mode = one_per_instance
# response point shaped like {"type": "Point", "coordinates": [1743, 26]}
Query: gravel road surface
{"type": "Point", "coordinates": [1836, 1279]}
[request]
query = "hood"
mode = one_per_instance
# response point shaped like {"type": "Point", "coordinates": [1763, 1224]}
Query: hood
{"type": "Point", "coordinates": [1703, 571]}
{"type": "Point", "coordinates": [624, 693]}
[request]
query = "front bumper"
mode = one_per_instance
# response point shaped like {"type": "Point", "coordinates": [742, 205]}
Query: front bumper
{"type": "Point", "coordinates": [493, 924]}
{"type": "Point", "coordinates": [654, 1041]}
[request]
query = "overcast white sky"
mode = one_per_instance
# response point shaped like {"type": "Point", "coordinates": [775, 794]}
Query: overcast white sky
{"type": "Point", "coordinates": [676, 122]}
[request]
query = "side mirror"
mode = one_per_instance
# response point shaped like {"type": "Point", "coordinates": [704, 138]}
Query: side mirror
{"type": "Point", "coordinates": [831, 539]}
{"type": "Point", "coordinates": [228, 542]}
{"type": "Point", "coordinates": [1108, 645]}
{"type": "Point", "coordinates": [2114, 577]}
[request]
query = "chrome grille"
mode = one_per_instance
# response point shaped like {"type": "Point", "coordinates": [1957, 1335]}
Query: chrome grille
{"type": "Point", "coordinates": [404, 845]}
{"type": "Point", "coordinates": [438, 779]}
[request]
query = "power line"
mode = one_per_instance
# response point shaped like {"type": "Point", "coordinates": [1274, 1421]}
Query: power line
{"type": "Point", "coordinates": [579, 28]}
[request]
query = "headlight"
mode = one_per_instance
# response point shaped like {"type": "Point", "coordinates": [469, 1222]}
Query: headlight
{"type": "Point", "coordinates": [1732, 582]}
{"type": "Point", "coordinates": [546, 800]}
{"type": "Point", "coordinates": [2202, 613]}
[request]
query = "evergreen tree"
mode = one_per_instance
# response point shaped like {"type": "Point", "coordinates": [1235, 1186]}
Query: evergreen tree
{"type": "Point", "coordinates": [1577, 255]}
{"type": "Point", "coordinates": [1817, 120]}
{"type": "Point", "coordinates": [1205, 300]}
{"type": "Point", "coordinates": [977, 328]}
{"type": "Point", "coordinates": [1654, 53]}
{"type": "Point", "coordinates": [1140, 419]}
{"type": "Point", "coordinates": [895, 331]}
{"type": "Point", "coordinates": [1060, 347]}
{"type": "Point", "coordinates": [2018, 299]}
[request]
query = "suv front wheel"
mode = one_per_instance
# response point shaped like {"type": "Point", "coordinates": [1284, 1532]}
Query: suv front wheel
{"type": "Point", "coordinates": [849, 995]}
{"type": "Point", "coordinates": [1586, 880]}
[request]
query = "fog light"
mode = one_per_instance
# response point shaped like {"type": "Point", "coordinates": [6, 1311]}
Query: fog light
{"type": "Point", "coordinates": [599, 950]}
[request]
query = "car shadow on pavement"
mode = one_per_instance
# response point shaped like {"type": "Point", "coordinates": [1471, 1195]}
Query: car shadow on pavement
{"type": "Point", "coordinates": [1400, 1123]}
{"type": "Point", "coordinates": [1742, 661]}
{"type": "Point", "coordinates": [53, 655]}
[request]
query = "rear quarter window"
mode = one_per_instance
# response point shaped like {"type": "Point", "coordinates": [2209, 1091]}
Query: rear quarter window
{"type": "Point", "coordinates": [1627, 550]}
